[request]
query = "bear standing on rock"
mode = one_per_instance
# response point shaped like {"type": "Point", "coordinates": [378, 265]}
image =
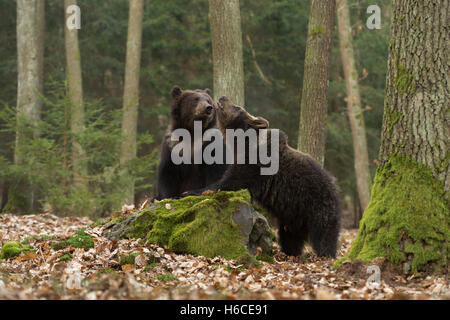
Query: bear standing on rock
{"type": "Point", "coordinates": [302, 196]}
{"type": "Point", "coordinates": [188, 106]}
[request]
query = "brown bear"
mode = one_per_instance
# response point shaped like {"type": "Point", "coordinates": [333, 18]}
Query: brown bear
{"type": "Point", "coordinates": [188, 106]}
{"type": "Point", "coordinates": [302, 196]}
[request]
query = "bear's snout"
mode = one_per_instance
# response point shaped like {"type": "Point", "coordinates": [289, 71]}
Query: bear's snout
{"type": "Point", "coordinates": [208, 109]}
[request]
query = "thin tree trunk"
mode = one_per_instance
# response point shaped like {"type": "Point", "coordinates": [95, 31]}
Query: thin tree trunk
{"type": "Point", "coordinates": [314, 103]}
{"type": "Point", "coordinates": [226, 35]}
{"type": "Point", "coordinates": [355, 114]}
{"type": "Point", "coordinates": [30, 21]}
{"type": "Point", "coordinates": [407, 220]}
{"type": "Point", "coordinates": [131, 90]}
{"type": "Point", "coordinates": [74, 82]}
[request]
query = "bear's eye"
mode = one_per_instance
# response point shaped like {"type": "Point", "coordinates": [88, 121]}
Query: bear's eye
{"type": "Point", "coordinates": [196, 99]}
{"type": "Point", "coordinates": [236, 108]}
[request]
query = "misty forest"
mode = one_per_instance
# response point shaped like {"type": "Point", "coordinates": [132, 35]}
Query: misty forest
{"type": "Point", "coordinates": [355, 94]}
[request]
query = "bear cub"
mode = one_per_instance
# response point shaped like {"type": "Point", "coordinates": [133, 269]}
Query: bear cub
{"type": "Point", "coordinates": [302, 196]}
{"type": "Point", "coordinates": [188, 106]}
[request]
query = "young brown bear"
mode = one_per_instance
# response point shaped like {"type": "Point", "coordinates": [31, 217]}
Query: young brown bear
{"type": "Point", "coordinates": [302, 196]}
{"type": "Point", "coordinates": [188, 106]}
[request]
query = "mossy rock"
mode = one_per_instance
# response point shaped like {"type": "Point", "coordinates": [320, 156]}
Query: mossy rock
{"type": "Point", "coordinates": [224, 224]}
{"type": "Point", "coordinates": [13, 249]}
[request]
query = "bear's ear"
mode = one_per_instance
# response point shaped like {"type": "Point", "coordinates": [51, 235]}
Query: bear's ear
{"type": "Point", "coordinates": [176, 92]}
{"type": "Point", "coordinates": [208, 91]}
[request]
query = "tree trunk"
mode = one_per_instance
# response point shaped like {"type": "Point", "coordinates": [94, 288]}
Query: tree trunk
{"type": "Point", "coordinates": [314, 104]}
{"type": "Point", "coordinates": [74, 82]}
{"type": "Point", "coordinates": [131, 90]}
{"type": "Point", "coordinates": [355, 114]}
{"type": "Point", "coordinates": [30, 22]}
{"type": "Point", "coordinates": [407, 220]}
{"type": "Point", "coordinates": [225, 21]}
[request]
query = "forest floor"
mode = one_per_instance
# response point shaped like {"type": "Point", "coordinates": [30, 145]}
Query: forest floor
{"type": "Point", "coordinates": [96, 273]}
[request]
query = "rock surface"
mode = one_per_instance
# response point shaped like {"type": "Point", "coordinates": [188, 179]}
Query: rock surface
{"type": "Point", "coordinates": [224, 224]}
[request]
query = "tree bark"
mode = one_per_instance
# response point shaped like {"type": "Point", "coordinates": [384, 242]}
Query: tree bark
{"type": "Point", "coordinates": [417, 95]}
{"type": "Point", "coordinates": [355, 114]}
{"type": "Point", "coordinates": [226, 35]}
{"type": "Point", "coordinates": [314, 103]}
{"type": "Point", "coordinates": [75, 85]}
{"type": "Point", "coordinates": [30, 22]}
{"type": "Point", "coordinates": [131, 90]}
{"type": "Point", "coordinates": [407, 220]}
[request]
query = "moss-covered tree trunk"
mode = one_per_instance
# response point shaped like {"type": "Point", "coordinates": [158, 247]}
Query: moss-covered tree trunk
{"type": "Point", "coordinates": [74, 82]}
{"type": "Point", "coordinates": [30, 53]}
{"type": "Point", "coordinates": [228, 63]}
{"type": "Point", "coordinates": [355, 114]}
{"type": "Point", "coordinates": [314, 104]}
{"type": "Point", "coordinates": [131, 91]}
{"type": "Point", "coordinates": [407, 220]}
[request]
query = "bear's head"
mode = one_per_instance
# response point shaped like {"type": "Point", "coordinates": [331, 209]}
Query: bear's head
{"type": "Point", "coordinates": [192, 105]}
{"type": "Point", "coordinates": [232, 116]}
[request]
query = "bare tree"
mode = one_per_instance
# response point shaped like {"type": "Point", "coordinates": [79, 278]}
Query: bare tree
{"type": "Point", "coordinates": [355, 113]}
{"type": "Point", "coordinates": [225, 22]}
{"type": "Point", "coordinates": [314, 103]}
{"type": "Point", "coordinates": [131, 90]}
{"type": "Point", "coordinates": [30, 52]}
{"type": "Point", "coordinates": [75, 84]}
{"type": "Point", "coordinates": [407, 220]}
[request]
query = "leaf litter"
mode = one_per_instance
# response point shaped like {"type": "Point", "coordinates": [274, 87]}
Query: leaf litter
{"type": "Point", "coordinates": [155, 272]}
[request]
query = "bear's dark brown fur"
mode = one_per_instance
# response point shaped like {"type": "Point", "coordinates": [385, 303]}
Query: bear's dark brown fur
{"type": "Point", "coordinates": [187, 107]}
{"type": "Point", "coordinates": [302, 196]}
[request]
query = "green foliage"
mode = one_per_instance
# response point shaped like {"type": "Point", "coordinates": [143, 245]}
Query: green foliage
{"type": "Point", "coordinates": [12, 249]}
{"type": "Point", "coordinates": [47, 166]}
{"type": "Point", "coordinates": [176, 49]}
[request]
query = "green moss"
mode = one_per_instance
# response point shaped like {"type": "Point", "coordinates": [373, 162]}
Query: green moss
{"type": "Point", "coordinates": [106, 271]}
{"type": "Point", "coordinates": [150, 266]}
{"type": "Point", "coordinates": [13, 249]}
{"type": "Point", "coordinates": [197, 225]}
{"type": "Point", "coordinates": [79, 240]}
{"type": "Point", "coordinates": [316, 30]}
{"type": "Point", "coordinates": [98, 223]}
{"type": "Point", "coordinates": [407, 220]}
{"type": "Point", "coordinates": [41, 237]}
{"type": "Point", "coordinates": [394, 117]}
{"type": "Point", "coordinates": [404, 80]}
{"type": "Point", "coordinates": [339, 262]}
{"type": "Point", "coordinates": [266, 258]}
{"type": "Point", "coordinates": [129, 259]}
{"type": "Point", "coordinates": [165, 277]}
{"type": "Point", "coordinates": [249, 261]}
{"type": "Point", "coordinates": [65, 257]}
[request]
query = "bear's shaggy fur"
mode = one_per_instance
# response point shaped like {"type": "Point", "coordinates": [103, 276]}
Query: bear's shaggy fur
{"type": "Point", "coordinates": [188, 106]}
{"type": "Point", "coordinates": [302, 196]}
